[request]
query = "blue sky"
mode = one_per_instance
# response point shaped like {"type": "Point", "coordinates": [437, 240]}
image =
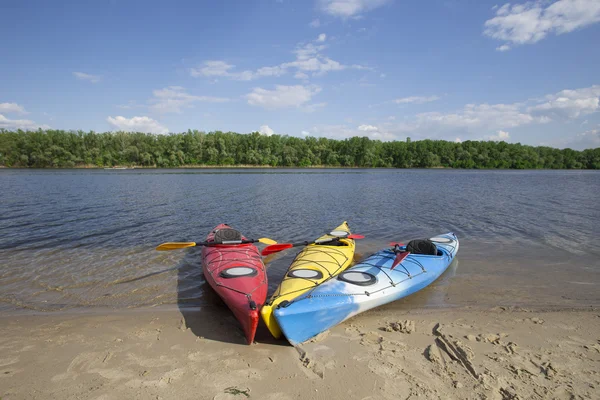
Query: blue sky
{"type": "Point", "coordinates": [388, 69]}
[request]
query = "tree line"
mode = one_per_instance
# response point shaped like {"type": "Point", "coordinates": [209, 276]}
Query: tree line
{"type": "Point", "coordinates": [68, 149]}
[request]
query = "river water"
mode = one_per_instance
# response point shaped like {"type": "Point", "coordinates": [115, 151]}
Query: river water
{"type": "Point", "coordinates": [81, 239]}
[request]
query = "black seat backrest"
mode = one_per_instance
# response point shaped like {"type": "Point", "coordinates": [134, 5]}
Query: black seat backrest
{"type": "Point", "coordinates": [227, 234]}
{"type": "Point", "coordinates": [422, 246]}
{"type": "Point", "coordinates": [335, 242]}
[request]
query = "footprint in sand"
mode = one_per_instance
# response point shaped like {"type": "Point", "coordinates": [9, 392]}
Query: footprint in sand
{"type": "Point", "coordinates": [9, 373]}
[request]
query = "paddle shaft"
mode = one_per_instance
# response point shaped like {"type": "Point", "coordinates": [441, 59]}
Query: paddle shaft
{"type": "Point", "coordinates": [181, 245]}
{"type": "Point", "coordinates": [306, 242]}
{"type": "Point", "coordinates": [283, 246]}
{"type": "Point", "coordinates": [228, 242]}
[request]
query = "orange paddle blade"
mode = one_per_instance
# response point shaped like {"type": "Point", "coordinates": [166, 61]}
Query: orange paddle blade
{"type": "Point", "coordinates": [275, 248]}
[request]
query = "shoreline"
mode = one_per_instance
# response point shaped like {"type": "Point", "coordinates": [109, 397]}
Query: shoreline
{"type": "Point", "coordinates": [166, 308]}
{"type": "Point", "coordinates": [126, 168]}
{"type": "Point", "coordinates": [381, 354]}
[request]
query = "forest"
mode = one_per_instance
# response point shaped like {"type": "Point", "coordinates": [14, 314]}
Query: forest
{"type": "Point", "coordinates": [69, 149]}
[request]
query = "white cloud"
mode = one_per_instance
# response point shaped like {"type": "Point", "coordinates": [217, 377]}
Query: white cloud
{"type": "Point", "coordinates": [282, 97]}
{"type": "Point", "coordinates": [458, 140]}
{"type": "Point", "coordinates": [482, 121]}
{"type": "Point", "coordinates": [265, 130]}
{"type": "Point", "coordinates": [349, 8]}
{"type": "Point", "coordinates": [344, 131]}
{"type": "Point", "coordinates": [87, 77]}
{"type": "Point", "coordinates": [137, 124]}
{"type": "Point", "coordinates": [475, 117]}
{"type": "Point", "coordinates": [313, 107]}
{"type": "Point", "coordinates": [588, 139]}
{"type": "Point", "coordinates": [308, 50]}
{"type": "Point", "coordinates": [315, 23]}
{"type": "Point", "coordinates": [269, 71]}
{"type": "Point", "coordinates": [494, 121]}
{"type": "Point", "coordinates": [416, 99]}
{"type": "Point", "coordinates": [212, 68]}
{"type": "Point", "coordinates": [305, 133]}
{"type": "Point", "coordinates": [23, 124]}
{"type": "Point", "coordinates": [309, 59]}
{"type": "Point", "coordinates": [222, 69]}
{"type": "Point", "coordinates": [362, 67]}
{"type": "Point", "coordinates": [500, 136]}
{"type": "Point", "coordinates": [12, 108]}
{"type": "Point", "coordinates": [380, 132]}
{"type": "Point", "coordinates": [532, 21]}
{"type": "Point", "coordinates": [333, 131]}
{"type": "Point", "coordinates": [585, 140]}
{"type": "Point", "coordinates": [570, 103]}
{"type": "Point", "coordinates": [367, 128]}
{"type": "Point", "coordinates": [130, 104]}
{"type": "Point", "coordinates": [174, 99]}
{"type": "Point", "coordinates": [317, 66]}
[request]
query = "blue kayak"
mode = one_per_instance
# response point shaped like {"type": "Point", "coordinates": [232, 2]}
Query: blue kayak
{"type": "Point", "coordinates": [368, 284]}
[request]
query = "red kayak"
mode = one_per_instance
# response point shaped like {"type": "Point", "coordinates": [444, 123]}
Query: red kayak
{"type": "Point", "coordinates": [236, 272]}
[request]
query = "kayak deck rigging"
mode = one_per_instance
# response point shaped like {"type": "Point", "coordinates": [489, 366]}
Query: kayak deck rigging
{"type": "Point", "coordinates": [305, 258]}
{"type": "Point", "coordinates": [216, 262]}
{"type": "Point", "coordinates": [382, 266]}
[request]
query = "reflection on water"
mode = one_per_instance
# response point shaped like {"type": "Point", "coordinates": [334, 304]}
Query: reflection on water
{"type": "Point", "coordinates": [76, 238]}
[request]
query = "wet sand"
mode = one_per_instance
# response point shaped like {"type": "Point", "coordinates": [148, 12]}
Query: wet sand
{"type": "Point", "coordinates": [499, 353]}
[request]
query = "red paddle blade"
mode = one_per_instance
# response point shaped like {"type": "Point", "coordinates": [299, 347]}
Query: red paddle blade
{"type": "Point", "coordinates": [396, 244]}
{"type": "Point", "coordinates": [274, 248]}
{"type": "Point", "coordinates": [355, 236]}
{"type": "Point", "coordinates": [399, 258]}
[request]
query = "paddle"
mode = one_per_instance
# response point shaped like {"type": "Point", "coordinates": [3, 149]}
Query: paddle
{"type": "Point", "coordinates": [400, 255]}
{"type": "Point", "coordinates": [181, 245]}
{"type": "Point", "coordinates": [275, 248]}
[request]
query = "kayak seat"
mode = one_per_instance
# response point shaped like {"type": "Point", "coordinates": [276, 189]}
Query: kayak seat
{"type": "Point", "coordinates": [225, 234]}
{"type": "Point", "coordinates": [422, 246]}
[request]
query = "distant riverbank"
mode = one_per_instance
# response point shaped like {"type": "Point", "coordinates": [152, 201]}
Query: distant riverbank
{"type": "Point", "coordinates": [270, 167]}
{"type": "Point", "coordinates": [204, 166]}
{"type": "Point", "coordinates": [53, 148]}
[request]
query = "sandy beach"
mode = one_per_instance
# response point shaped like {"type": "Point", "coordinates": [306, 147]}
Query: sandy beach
{"type": "Point", "coordinates": [500, 353]}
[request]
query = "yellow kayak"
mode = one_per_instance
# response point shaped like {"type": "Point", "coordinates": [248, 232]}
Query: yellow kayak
{"type": "Point", "coordinates": [314, 265]}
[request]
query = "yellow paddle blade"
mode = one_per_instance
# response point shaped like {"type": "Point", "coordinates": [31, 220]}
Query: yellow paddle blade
{"type": "Point", "coordinates": [175, 246]}
{"type": "Point", "coordinates": [271, 257]}
{"type": "Point", "coordinates": [267, 241]}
